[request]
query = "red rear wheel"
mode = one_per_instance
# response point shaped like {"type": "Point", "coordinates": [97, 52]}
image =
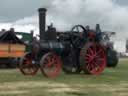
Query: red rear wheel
{"type": "Point", "coordinates": [93, 58]}
{"type": "Point", "coordinates": [27, 65]}
{"type": "Point", "coordinates": [50, 65]}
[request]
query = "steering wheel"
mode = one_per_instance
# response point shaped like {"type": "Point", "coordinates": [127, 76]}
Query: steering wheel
{"type": "Point", "coordinates": [77, 33]}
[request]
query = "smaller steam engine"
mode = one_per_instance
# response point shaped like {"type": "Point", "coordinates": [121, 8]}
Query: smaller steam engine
{"type": "Point", "coordinates": [79, 49]}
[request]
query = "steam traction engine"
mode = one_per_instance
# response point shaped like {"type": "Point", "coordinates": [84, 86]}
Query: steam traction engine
{"type": "Point", "coordinates": [112, 55]}
{"type": "Point", "coordinates": [78, 50]}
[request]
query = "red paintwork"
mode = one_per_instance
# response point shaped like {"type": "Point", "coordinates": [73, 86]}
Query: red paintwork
{"type": "Point", "coordinates": [95, 59]}
{"type": "Point", "coordinates": [51, 65]}
{"type": "Point", "coordinates": [26, 66]}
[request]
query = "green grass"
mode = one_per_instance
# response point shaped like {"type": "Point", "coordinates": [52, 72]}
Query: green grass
{"type": "Point", "coordinates": [112, 82]}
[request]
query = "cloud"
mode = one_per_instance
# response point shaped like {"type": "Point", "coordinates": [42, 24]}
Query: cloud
{"type": "Point", "coordinates": [122, 2]}
{"type": "Point", "coordinates": [66, 13]}
{"type": "Point", "coordinates": [11, 10]}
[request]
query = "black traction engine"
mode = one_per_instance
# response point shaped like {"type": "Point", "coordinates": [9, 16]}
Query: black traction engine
{"type": "Point", "coordinates": [79, 49]}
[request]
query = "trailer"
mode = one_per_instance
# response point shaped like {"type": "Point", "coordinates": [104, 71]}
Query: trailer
{"type": "Point", "coordinates": [11, 48]}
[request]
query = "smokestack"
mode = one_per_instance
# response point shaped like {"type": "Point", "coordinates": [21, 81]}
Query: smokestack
{"type": "Point", "coordinates": [42, 22]}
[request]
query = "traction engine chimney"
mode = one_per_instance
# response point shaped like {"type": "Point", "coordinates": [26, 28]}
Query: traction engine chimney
{"type": "Point", "coordinates": [42, 22]}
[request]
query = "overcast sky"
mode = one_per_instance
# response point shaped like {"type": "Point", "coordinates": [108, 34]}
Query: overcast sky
{"type": "Point", "coordinates": [11, 10]}
{"type": "Point", "coordinates": [23, 15]}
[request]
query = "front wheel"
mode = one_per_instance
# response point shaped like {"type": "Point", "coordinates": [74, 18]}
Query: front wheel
{"type": "Point", "coordinates": [50, 65]}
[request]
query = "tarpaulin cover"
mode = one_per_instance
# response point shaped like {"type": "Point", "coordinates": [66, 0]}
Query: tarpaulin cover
{"type": "Point", "coordinates": [9, 37]}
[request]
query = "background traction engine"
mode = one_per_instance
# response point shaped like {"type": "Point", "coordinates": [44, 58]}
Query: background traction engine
{"type": "Point", "coordinates": [112, 55]}
{"type": "Point", "coordinates": [78, 50]}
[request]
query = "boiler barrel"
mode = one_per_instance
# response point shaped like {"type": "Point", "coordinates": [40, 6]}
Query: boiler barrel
{"type": "Point", "coordinates": [57, 47]}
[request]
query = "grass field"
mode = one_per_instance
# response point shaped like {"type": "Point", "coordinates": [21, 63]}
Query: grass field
{"type": "Point", "coordinates": [113, 82]}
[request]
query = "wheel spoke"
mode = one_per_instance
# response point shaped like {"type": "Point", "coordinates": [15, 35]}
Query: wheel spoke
{"type": "Point", "coordinates": [77, 29]}
{"type": "Point", "coordinates": [99, 51]}
{"type": "Point", "coordinates": [90, 51]}
{"type": "Point", "coordinates": [88, 55]}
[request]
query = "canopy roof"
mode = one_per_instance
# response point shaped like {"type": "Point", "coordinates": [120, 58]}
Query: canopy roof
{"type": "Point", "coordinates": [9, 37]}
